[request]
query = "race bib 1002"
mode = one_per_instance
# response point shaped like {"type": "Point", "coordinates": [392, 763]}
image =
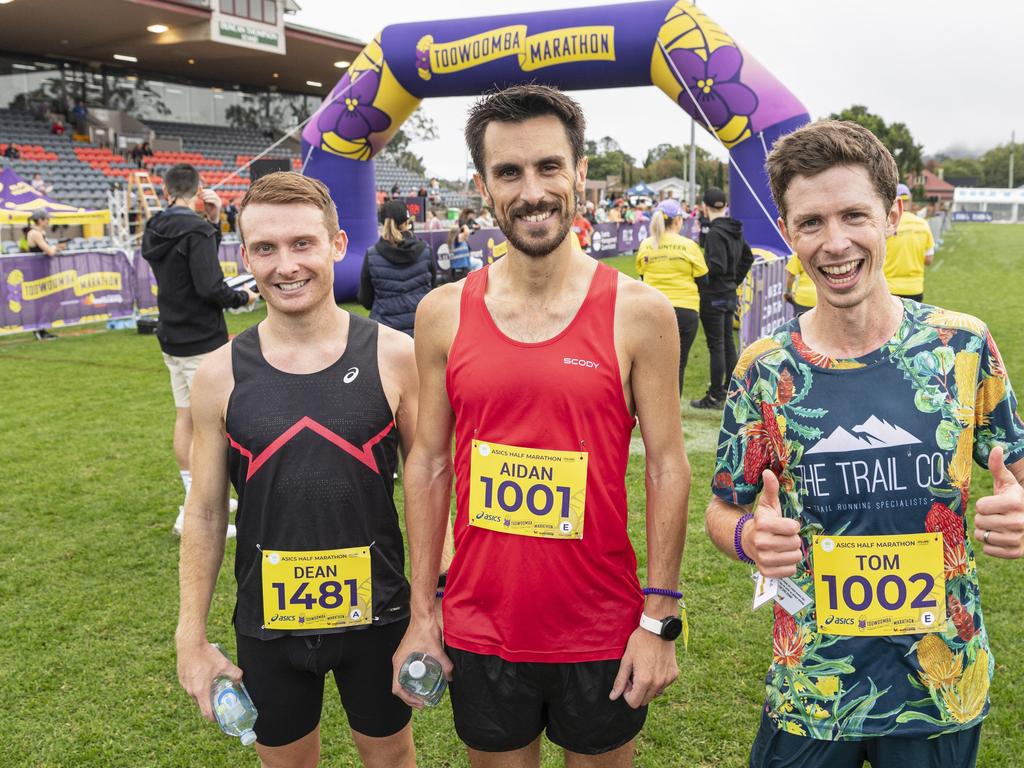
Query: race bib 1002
{"type": "Point", "coordinates": [879, 585]}
{"type": "Point", "coordinates": [527, 491]}
{"type": "Point", "coordinates": [321, 589]}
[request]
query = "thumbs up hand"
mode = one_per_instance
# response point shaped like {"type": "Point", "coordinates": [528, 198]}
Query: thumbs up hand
{"type": "Point", "coordinates": [771, 540]}
{"type": "Point", "coordinates": [999, 518]}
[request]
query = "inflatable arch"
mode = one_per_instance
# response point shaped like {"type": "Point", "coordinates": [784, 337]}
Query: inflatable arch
{"type": "Point", "coordinates": [667, 43]}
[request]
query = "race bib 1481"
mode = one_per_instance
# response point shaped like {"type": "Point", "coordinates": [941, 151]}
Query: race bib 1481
{"type": "Point", "coordinates": [527, 491]}
{"type": "Point", "coordinates": [879, 585]}
{"type": "Point", "coordinates": [317, 589]}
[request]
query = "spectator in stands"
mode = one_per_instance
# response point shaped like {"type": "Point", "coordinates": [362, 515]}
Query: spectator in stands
{"type": "Point", "coordinates": [601, 214]}
{"type": "Point", "coordinates": [485, 220]}
{"type": "Point", "coordinates": [147, 151]}
{"type": "Point", "coordinates": [11, 152]}
{"type": "Point", "coordinates": [421, 192]}
{"type": "Point", "coordinates": [79, 115]}
{"type": "Point", "coordinates": [435, 191]}
{"type": "Point", "coordinates": [40, 185]}
{"type": "Point", "coordinates": [382, 196]}
{"type": "Point", "coordinates": [395, 190]}
{"type": "Point", "coordinates": [729, 259]}
{"type": "Point", "coordinates": [588, 213]}
{"type": "Point", "coordinates": [182, 250]}
{"type": "Point", "coordinates": [398, 271]}
{"type": "Point", "coordinates": [136, 155]}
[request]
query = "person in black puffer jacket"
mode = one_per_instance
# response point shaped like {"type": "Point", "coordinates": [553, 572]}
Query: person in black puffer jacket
{"type": "Point", "coordinates": [729, 258]}
{"type": "Point", "coordinates": [398, 271]}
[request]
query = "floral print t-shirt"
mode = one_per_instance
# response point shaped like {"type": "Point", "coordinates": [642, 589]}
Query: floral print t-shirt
{"type": "Point", "coordinates": [872, 446]}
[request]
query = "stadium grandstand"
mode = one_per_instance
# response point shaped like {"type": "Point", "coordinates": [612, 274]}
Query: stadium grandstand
{"type": "Point", "coordinates": [211, 82]}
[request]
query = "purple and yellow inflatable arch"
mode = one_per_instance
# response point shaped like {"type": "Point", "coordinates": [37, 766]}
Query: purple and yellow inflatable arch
{"type": "Point", "coordinates": [667, 43]}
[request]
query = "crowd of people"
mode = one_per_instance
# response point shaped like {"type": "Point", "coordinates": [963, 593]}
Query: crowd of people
{"type": "Point", "coordinates": [540, 365]}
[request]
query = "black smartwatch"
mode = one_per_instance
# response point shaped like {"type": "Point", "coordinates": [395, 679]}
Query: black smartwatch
{"type": "Point", "coordinates": [667, 629]}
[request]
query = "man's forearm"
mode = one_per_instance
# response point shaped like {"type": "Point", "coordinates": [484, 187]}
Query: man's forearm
{"type": "Point", "coordinates": [427, 501]}
{"type": "Point", "coordinates": [668, 490]}
{"type": "Point", "coordinates": [720, 524]}
{"type": "Point", "coordinates": [202, 552]}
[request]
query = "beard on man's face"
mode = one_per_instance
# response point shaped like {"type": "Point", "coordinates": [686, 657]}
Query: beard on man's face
{"type": "Point", "coordinates": [535, 247]}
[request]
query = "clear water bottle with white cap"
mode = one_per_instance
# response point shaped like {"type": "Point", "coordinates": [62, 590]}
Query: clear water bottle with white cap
{"type": "Point", "coordinates": [422, 676]}
{"type": "Point", "coordinates": [233, 707]}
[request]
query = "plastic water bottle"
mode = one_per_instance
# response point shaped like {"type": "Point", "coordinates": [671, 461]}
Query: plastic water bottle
{"type": "Point", "coordinates": [421, 676]}
{"type": "Point", "coordinates": [232, 707]}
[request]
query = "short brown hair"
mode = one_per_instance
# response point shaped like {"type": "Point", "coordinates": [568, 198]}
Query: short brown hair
{"type": "Point", "coordinates": [290, 188]}
{"type": "Point", "coordinates": [519, 104]}
{"type": "Point", "coordinates": [824, 144]}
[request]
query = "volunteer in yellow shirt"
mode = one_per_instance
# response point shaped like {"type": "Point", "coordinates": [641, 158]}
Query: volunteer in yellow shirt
{"type": "Point", "coordinates": [671, 263]}
{"type": "Point", "coordinates": [908, 252]}
{"type": "Point", "coordinates": [805, 296]}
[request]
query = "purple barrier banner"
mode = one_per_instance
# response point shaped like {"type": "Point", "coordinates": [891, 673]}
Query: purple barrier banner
{"type": "Point", "coordinates": [762, 308]}
{"type": "Point", "coordinates": [604, 241]}
{"type": "Point", "coordinates": [609, 239]}
{"type": "Point", "coordinates": [72, 288]}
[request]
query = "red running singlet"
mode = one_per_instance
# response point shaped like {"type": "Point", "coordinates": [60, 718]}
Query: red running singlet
{"type": "Point", "coordinates": [541, 599]}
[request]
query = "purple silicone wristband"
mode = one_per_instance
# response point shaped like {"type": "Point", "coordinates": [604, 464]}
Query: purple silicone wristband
{"type": "Point", "coordinates": [664, 592]}
{"type": "Point", "coordinates": [439, 593]}
{"type": "Point", "coordinates": [737, 539]}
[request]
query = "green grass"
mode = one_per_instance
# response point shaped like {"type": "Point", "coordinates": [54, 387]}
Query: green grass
{"type": "Point", "coordinates": [88, 564]}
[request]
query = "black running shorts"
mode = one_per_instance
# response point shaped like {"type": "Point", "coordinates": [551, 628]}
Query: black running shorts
{"type": "Point", "coordinates": [285, 677]}
{"type": "Point", "coordinates": [500, 706]}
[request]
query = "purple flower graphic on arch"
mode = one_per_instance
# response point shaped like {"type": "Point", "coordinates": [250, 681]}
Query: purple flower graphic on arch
{"type": "Point", "coordinates": [715, 83]}
{"type": "Point", "coordinates": [351, 115]}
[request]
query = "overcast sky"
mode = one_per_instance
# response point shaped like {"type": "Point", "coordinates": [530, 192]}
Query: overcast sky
{"type": "Point", "coordinates": [952, 71]}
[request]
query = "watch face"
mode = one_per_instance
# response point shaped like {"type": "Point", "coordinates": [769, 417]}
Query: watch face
{"type": "Point", "coordinates": [671, 628]}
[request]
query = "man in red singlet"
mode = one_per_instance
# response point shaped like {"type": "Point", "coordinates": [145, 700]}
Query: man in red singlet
{"type": "Point", "coordinates": [541, 364]}
{"type": "Point", "coordinates": [304, 414]}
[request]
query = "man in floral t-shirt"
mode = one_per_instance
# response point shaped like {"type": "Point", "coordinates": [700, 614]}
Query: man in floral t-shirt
{"type": "Point", "coordinates": [857, 423]}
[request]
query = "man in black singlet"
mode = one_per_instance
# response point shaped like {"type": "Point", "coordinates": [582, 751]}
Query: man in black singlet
{"type": "Point", "coordinates": [304, 414]}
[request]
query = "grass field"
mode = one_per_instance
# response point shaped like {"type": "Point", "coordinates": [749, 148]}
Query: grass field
{"type": "Point", "coordinates": [88, 564]}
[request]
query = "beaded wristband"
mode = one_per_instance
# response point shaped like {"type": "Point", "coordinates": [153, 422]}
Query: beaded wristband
{"type": "Point", "coordinates": [663, 592]}
{"type": "Point", "coordinates": [737, 539]}
{"type": "Point", "coordinates": [439, 593]}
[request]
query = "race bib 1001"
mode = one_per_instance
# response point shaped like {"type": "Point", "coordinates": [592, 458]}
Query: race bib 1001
{"type": "Point", "coordinates": [879, 585]}
{"type": "Point", "coordinates": [527, 491]}
{"type": "Point", "coordinates": [321, 589]}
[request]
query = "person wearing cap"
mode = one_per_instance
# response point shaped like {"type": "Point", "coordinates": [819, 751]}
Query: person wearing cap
{"type": "Point", "coordinates": [35, 238]}
{"type": "Point", "coordinates": [672, 263]}
{"type": "Point", "coordinates": [908, 252]}
{"type": "Point", "coordinates": [728, 257]}
{"type": "Point", "coordinates": [398, 271]}
{"type": "Point", "coordinates": [35, 242]}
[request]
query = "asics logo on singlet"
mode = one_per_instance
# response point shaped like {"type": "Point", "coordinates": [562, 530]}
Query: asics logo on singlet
{"type": "Point", "coordinates": [580, 362]}
{"type": "Point", "coordinates": [350, 375]}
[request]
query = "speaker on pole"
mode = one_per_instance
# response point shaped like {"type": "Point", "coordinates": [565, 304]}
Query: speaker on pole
{"type": "Point", "coordinates": [268, 165]}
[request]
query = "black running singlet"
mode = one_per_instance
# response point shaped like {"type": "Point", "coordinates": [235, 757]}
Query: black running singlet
{"type": "Point", "coordinates": [312, 458]}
